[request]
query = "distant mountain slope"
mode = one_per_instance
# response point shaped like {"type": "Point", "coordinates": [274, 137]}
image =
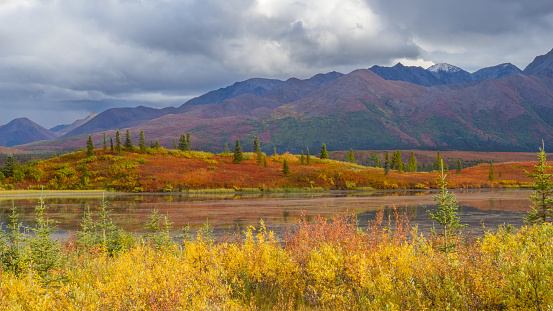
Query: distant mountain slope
{"type": "Point", "coordinates": [412, 74]}
{"type": "Point", "coordinates": [441, 74]}
{"type": "Point", "coordinates": [542, 66]}
{"type": "Point", "coordinates": [119, 118]}
{"type": "Point", "coordinates": [496, 72]}
{"type": "Point", "coordinates": [22, 131]}
{"type": "Point", "coordinates": [63, 129]}
{"type": "Point", "coordinates": [255, 86]}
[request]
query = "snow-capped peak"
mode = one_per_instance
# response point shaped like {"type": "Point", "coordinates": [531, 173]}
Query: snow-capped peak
{"type": "Point", "coordinates": [444, 67]}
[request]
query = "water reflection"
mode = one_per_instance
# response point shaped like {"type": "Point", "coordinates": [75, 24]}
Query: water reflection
{"type": "Point", "coordinates": [229, 211]}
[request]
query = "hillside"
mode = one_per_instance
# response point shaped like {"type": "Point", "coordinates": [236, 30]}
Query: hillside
{"type": "Point", "coordinates": [21, 131]}
{"type": "Point", "coordinates": [160, 169]}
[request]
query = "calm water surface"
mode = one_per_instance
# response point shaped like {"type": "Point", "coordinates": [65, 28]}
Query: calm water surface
{"type": "Point", "coordinates": [227, 213]}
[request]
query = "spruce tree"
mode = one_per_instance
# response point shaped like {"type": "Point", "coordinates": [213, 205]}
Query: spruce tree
{"type": "Point", "coordinates": [377, 162]}
{"type": "Point", "coordinates": [324, 153]}
{"type": "Point", "coordinates": [256, 145]}
{"type": "Point", "coordinates": [439, 162]}
{"type": "Point", "coordinates": [308, 158]}
{"type": "Point", "coordinates": [238, 154]}
{"type": "Point", "coordinates": [188, 142]}
{"type": "Point", "coordinates": [156, 144]}
{"type": "Point", "coordinates": [183, 143]}
{"type": "Point", "coordinates": [397, 164]}
{"type": "Point", "coordinates": [174, 144]}
{"type": "Point", "coordinates": [128, 141]}
{"type": "Point", "coordinates": [491, 176]}
{"type": "Point", "coordinates": [350, 157]}
{"type": "Point", "coordinates": [446, 214]}
{"type": "Point", "coordinates": [412, 167]}
{"type": "Point", "coordinates": [386, 163]}
{"type": "Point", "coordinates": [226, 148]}
{"type": "Point", "coordinates": [111, 144]}
{"type": "Point", "coordinates": [142, 142]}
{"type": "Point", "coordinates": [301, 158]}
{"type": "Point", "coordinates": [459, 166]}
{"type": "Point", "coordinates": [10, 166]}
{"type": "Point", "coordinates": [265, 162]}
{"type": "Point", "coordinates": [542, 203]}
{"type": "Point", "coordinates": [89, 147]}
{"type": "Point", "coordinates": [285, 168]}
{"type": "Point", "coordinates": [118, 142]}
{"type": "Point", "coordinates": [274, 152]}
{"type": "Point", "coordinates": [105, 143]}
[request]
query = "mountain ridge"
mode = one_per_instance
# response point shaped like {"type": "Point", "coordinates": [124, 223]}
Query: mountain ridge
{"type": "Point", "coordinates": [496, 108]}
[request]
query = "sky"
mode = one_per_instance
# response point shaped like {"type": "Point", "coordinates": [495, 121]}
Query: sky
{"type": "Point", "coordinates": [61, 60]}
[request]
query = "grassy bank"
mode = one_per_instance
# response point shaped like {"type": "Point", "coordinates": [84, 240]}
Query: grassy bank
{"type": "Point", "coordinates": [162, 170]}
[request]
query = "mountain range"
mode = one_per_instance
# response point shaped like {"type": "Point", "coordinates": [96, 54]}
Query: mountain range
{"type": "Point", "coordinates": [499, 108]}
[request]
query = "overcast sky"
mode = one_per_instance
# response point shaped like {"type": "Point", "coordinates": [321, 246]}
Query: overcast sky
{"type": "Point", "coordinates": [61, 60]}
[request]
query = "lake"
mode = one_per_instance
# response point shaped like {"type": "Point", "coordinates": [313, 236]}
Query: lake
{"type": "Point", "coordinates": [482, 209]}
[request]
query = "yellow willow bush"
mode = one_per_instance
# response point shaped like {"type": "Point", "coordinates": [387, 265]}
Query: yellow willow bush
{"type": "Point", "coordinates": [323, 264]}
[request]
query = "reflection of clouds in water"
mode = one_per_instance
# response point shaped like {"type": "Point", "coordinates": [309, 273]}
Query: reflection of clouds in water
{"type": "Point", "coordinates": [277, 209]}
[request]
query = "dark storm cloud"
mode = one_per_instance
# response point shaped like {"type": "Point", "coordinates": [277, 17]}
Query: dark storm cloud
{"type": "Point", "coordinates": [67, 58]}
{"type": "Point", "coordinates": [474, 33]}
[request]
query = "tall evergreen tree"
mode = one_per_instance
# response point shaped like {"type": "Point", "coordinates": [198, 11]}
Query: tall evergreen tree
{"type": "Point", "coordinates": [324, 153]}
{"type": "Point", "coordinates": [387, 163]}
{"type": "Point", "coordinates": [156, 144]}
{"type": "Point", "coordinates": [412, 167]}
{"type": "Point", "coordinates": [105, 143]}
{"type": "Point", "coordinates": [397, 164]}
{"type": "Point", "coordinates": [89, 147]}
{"type": "Point", "coordinates": [308, 158]}
{"type": "Point", "coordinates": [183, 143]}
{"type": "Point", "coordinates": [350, 157]}
{"type": "Point", "coordinates": [111, 144]}
{"type": "Point", "coordinates": [9, 166]}
{"type": "Point", "coordinates": [238, 156]}
{"type": "Point", "coordinates": [226, 148]}
{"type": "Point", "coordinates": [274, 152]}
{"type": "Point", "coordinates": [491, 176]}
{"type": "Point", "coordinates": [118, 142]}
{"type": "Point", "coordinates": [128, 141]}
{"type": "Point", "coordinates": [175, 144]}
{"type": "Point", "coordinates": [301, 158]}
{"type": "Point", "coordinates": [439, 162]}
{"type": "Point", "coordinates": [142, 142]}
{"type": "Point", "coordinates": [256, 145]}
{"type": "Point", "coordinates": [459, 166]}
{"type": "Point", "coordinates": [188, 142]}
{"type": "Point", "coordinates": [285, 168]}
{"type": "Point", "coordinates": [541, 198]}
{"type": "Point", "coordinates": [377, 162]}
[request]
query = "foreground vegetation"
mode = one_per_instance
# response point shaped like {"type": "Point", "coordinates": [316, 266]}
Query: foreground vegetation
{"type": "Point", "coordinates": [320, 265]}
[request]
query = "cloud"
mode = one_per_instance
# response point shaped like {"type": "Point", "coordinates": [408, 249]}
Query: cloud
{"type": "Point", "coordinates": [473, 33]}
{"type": "Point", "coordinates": [69, 55]}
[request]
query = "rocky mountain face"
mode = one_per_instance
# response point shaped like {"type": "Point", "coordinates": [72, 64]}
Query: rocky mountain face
{"type": "Point", "coordinates": [542, 66]}
{"type": "Point", "coordinates": [498, 108]}
{"type": "Point", "coordinates": [21, 131]}
{"type": "Point", "coordinates": [441, 74]}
